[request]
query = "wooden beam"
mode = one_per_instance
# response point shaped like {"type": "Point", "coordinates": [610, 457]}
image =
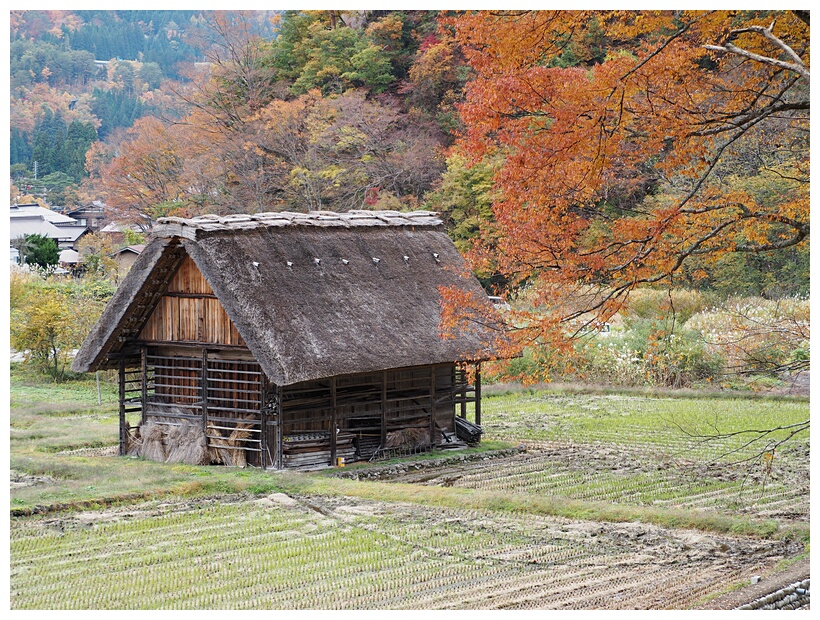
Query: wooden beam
{"type": "Point", "coordinates": [279, 427]}
{"type": "Point", "coordinates": [461, 375]}
{"type": "Point", "coordinates": [190, 295]}
{"type": "Point", "coordinates": [204, 388]}
{"type": "Point", "coordinates": [263, 421]}
{"type": "Point", "coordinates": [144, 373]}
{"type": "Point", "coordinates": [194, 344]}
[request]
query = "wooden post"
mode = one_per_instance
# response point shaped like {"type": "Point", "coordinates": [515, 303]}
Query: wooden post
{"type": "Point", "coordinates": [204, 380]}
{"type": "Point", "coordinates": [432, 406]}
{"type": "Point", "coordinates": [478, 393]}
{"type": "Point", "coordinates": [263, 421]}
{"type": "Point", "coordinates": [122, 406]}
{"type": "Point", "coordinates": [280, 419]}
{"type": "Point", "coordinates": [461, 376]}
{"type": "Point", "coordinates": [144, 371]}
{"type": "Point", "coordinates": [383, 439]}
{"type": "Point", "coordinates": [333, 421]}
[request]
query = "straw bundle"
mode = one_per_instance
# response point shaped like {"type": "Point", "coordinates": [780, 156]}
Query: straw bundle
{"type": "Point", "coordinates": [153, 444]}
{"type": "Point", "coordinates": [229, 450]}
{"type": "Point", "coordinates": [408, 438]}
{"type": "Point", "coordinates": [236, 441]}
{"type": "Point", "coordinates": [215, 444]}
{"type": "Point", "coordinates": [187, 444]}
{"type": "Point", "coordinates": [133, 440]}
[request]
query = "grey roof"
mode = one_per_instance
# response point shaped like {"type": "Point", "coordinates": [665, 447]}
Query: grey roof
{"type": "Point", "coordinates": [22, 224]}
{"type": "Point", "coordinates": [69, 256]}
{"type": "Point", "coordinates": [133, 249]}
{"type": "Point", "coordinates": [47, 214]}
{"type": "Point", "coordinates": [71, 232]}
{"type": "Point", "coordinates": [312, 295]}
{"type": "Point", "coordinates": [169, 226]}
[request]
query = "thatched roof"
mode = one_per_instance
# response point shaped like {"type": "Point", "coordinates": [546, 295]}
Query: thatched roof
{"type": "Point", "coordinates": [313, 296]}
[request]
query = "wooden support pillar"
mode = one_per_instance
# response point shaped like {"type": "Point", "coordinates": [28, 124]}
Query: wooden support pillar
{"type": "Point", "coordinates": [333, 421]}
{"type": "Point", "coordinates": [383, 440]}
{"type": "Point", "coordinates": [204, 381]}
{"type": "Point", "coordinates": [432, 406]}
{"type": "Point", "coordinates": [280, 421]}
{"type": "Point", "coordinates": [122, 406]}
{"type": "Point", "coordinates": [263, 421]}
{"type": "Point", "coordinates": [461, 376]}
{"type": "Point", "coordinates": [144, 372]}
{"type": "Point", "coordinates": [478, 393]}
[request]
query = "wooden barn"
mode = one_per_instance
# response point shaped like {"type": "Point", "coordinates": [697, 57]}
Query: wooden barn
{"type": "Point", "coordinates": [290, 340]}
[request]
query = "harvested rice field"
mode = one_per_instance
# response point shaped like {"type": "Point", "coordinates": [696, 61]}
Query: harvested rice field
{"type": "Point", "coordinates": [280, 552]}
{"type": "Point", "coordinates": [635, 476]}
{"type": "Point", "coordinates": [588, 501]}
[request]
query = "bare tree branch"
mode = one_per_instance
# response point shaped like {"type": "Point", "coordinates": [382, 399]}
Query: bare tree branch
{"type": "Point", "coordinates": [797, 66]}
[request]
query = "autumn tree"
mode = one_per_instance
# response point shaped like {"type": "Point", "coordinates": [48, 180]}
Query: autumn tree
{"type": "Point", "coordinates": [342, 151]}
{"type": "Point", "coordinates": [621, 168]}
{"type": "Point", "coordinates": [464, 196]}
{"type": "Point", "coordinates": [320, 50]}
{"type": "Point", "coordinates": [239, 78]}
{"type": "Point", "coordinates": [42, 328]}
{"type": "Point", "coordinates": [49, 320]}
{"type": "Point", "coordinates": [147, 171]}
{"type": "Point", "coordinates": [96, 257]}
{"type": "Point", "coordinates": [435, 80]}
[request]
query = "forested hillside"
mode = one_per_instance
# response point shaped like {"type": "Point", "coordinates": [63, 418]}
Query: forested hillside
{"type": "Point", "coordinates": [566, 151]}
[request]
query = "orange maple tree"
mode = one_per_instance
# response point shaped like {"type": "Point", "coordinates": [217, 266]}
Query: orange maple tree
{"type": "Point", "coordinates": [623, 135]}
{"type": "Point", "coordinates": [146, 171]}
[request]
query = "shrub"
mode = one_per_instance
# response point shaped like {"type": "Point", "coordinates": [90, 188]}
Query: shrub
{"type": "Point", "coordinates": [660, 304]}
{"type": "Point", "coordinates": [49, 319]}
{"type": "Point", "coordinates": [749, 337]}
{"type": "Point", "coordinates": [758, 335]}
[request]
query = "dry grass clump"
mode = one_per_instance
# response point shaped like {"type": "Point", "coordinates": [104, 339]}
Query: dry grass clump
{"type": "Point", "coordinates": [153, 442]}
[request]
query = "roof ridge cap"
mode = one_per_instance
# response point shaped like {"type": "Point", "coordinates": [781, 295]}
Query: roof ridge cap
{"type": "Point", "coordinates": [186, 227]}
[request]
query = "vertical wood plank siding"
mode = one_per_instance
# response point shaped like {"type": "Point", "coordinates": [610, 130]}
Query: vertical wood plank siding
{"type": "Point", "coordinates": [189, 312]}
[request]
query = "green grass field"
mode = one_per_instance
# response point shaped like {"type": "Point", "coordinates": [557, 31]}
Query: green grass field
{"type": "Point", "coordinates": [612, 506]}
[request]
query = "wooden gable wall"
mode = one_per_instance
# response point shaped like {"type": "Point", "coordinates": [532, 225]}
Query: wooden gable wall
{"type": "Point", "coordinates": [190, 312]}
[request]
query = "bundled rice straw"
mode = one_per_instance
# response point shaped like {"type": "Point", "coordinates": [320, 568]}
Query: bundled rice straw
{"type": "Point", "coordinates": [215, 448]}
{"type": "Point", "coordinates": [408, 438]}
{"type": "Point", "coordinates": [187, 444]}
{"type": "Point", "coordinates": [229, 450]}
{"type": "Point", "coordinates": [236, 440]}
{"type": "Point", "coordinates": [133, 440]}
{"type": "Point", "coordinates": [153, 446]}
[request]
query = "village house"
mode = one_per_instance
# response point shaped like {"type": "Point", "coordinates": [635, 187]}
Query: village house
{"type": "Point", "coordinates": [91, 216]}
{"type": "Point", "coordinates": [32, 219]}
{"type": "Point", "coordinates": [125, 257]}
{"type": "Point", "coordinates": [291, 340]}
